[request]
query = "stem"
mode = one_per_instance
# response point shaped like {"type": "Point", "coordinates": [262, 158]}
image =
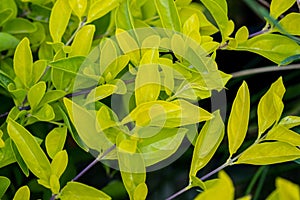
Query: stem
{"type": "Point", "coordinates": [81, 24]}
{"type": "Point", "coordinates": [264, 3]}
{"type": "Point", "coordinates": [258, 33]}
{"type": "Point", "coordinates": [94, 162]}
{"type": "Point", "coordinates": [263, 70]}
{"type": "Point", "coordinates": [178, 193]}
{"type": "Point", "coordinates": [215, 170]}
{"type": "Point", "coordinates": [254, 179]}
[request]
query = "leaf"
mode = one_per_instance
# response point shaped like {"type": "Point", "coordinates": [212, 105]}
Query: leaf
{"type": "Point", "coordinates": [51, 96]}
{"type": "Point", "coordinates": [23, 193]}
{"type": "Point", "coordinates": [78, 7]}
{"type": "Point", "coordinates": [38, 70]}
{"type": "Point", "coordinates": [98, 10]}
{"type": "Point", "coordinates": [168, 14]}
{"type": "Point", "coordinates": [35, 94]}
{"type": "Point", "coordinates": [78, 191]}
{"type": "Point", "coordinates": [19, 159]}
{"type": "Point", "coordinates": [140, 192]}
{"type": "Point", "coordinates": [69, 65]}
{"type": "Point", "coordinates": [85, 124]}
{"type": "Point", "coordinates": [147, 82]}
{"type": "Point", "coordinates": [108, 54]}
{"type": "Point", "coordinates": [23, 65]}
{"type": "Point", "coordinates": [45, 113]}
{"type": "Point", "coordinates": [267, 45]}
{"type": "Point", "coordinates": [290, 121]}
{"type": "Point", "coordinates": [270, 106]}
{"type": "Point", "coordinates": [238, 119]}
{"type": "Point", "coordinates": [242, 34]}
{"type": "Point", "coordinates": [283, 134]}
{"type": "Point", "coordinates": [100, 92]}
{"type": "Point", "coordinates": [123, 17]}
{"type": "Point", "coordinates": [59, 19]}
{"type": "Point", "coordinates": [55, 141]}
{"type": "Point", "coordinates": [197, 182]}
{"type": "Point", "coordinates": [289, 23]}
{"type": "Point", "coordinates": [19, 25]}
{"type": "Point", "coordinates": [82, 42]}
{"type": "Point", "coordinates": [269, 153]}
{"type": "Point", "coordinates": [4, 184]}
{"type": "Point", "coordinates": [223, 185]}
{"type": "Point", "coordinates": [115, 67]}
{"type": "Point", "coordinates": [207, 143]}
{"type": "Point", "coordinates": [6, 154]}
{"type": "Point", "coordinates": [29, 149]}
{"type": "Point", "coordinates": [5, 14]}
{"type": "Point", "coordinates": [59, 163]}
{"type": "Point", "coordinates": [287, 190]}
{"type": "Point", "coordinates": [8, 41]}
{"type": "Point", "coordinates": [278, 7]}
{"type": "Point", "coordinates": [54, 184]}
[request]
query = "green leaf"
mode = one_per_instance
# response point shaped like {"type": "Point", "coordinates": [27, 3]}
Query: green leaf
{"type": "Point", "coordinates": [78, 7]}
{"type": "Point", "coordinates": [55, 141]}
{"type": "Point", "coordinates": [147, 82]}
{"type": "Point", "coordinates": [69, 65]}
{"type": "Point", "coordinates": [197, 182]}
{"type": "Point", "coordinates": [45, 113]}
{"type": "Point", "coordinates": [11, 5]}
{"type": "Point", "coordinates": [140, 192]}
{"type": "Point", "coordinates": [168, 14]}
{"type": "Point", "coordinates": [19, 25]}
{"type": "Point", "coordinates": [23, 64]}
{"type": "Point", "coordinates": [277, 7]}
{"type": "Point", "coordinates": [287, 189]}
{"type": "Point", "coordinates": [207, 143]}
{"type": "Point", "coordinates": [224, 187]}
{"type": "Point", "coordinates": [54, 184]}
{"type": "Point", "coordinates": [269, 153]}
{"type": "Point", "coordinates": [39, 68]}
{"type": "Point", "coordinates": [123, 17]}
{"type": "Point", "coordinates": [98, 10]}
{"type": "Point", "coordinates": [6, 154]}
{"type": "Point", "coordinates": [85, 124]}
{"type": "Point", "coordinates": [283, 134]}
{"type": "Point", "coordinates": [19, 159]}
{"type": "Point", "coordinates": [59, 19]}
{"type": "Point", "coordinates": [29, 149]}
{"type": "Point", "coordinates": [83, 41]}
{"type": "Point", "coordinates": [115, 67]}
{"type": "Point", "coordinates": [78, 191]}
{"type": "Point", "coordinates": [268, 45]}
{"type": "Point", "coordinates": [4, 184]}
{"type": "Point", "coordinates": [290, 121]}
{"type": "Point", "coordinates": [242, 34]}
{"type": "Point", "coordinates": [108, 54]}
{"type": "Point", "coordinates": [59, 163]}
{"type": "Point", "coordinates": [51, 96]}
{"type": "Point", "coordinates": [238, 119]}
{"type": "Point", "coordinates": [23, 193]}
{"type": "Point", "coordinates": [5, 15]}
{"type": "Point", "coordinates": [270, 106]}
{"type": "Point", "coordinates": [289, 23]}
{"type": "Point", "coordinates": [7, 41]}
{"type": "Point", "coordinates": [100, 92]}
{"type": "Point", "coordinates": [35, 94]}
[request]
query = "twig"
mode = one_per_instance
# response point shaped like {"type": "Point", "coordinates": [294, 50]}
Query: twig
{"type": "Point", "coordinates": [264, 3]}
{"type": "Point", "coordinates": [81, 24]}
{"type": "Point", "coordinates": [258, 33]}
{"type": "Point", "coordinates": [178, 193]}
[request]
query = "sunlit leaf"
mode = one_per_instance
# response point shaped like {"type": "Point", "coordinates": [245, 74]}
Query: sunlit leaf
{"type": "Point", "coordinates": [283, 134]}
{"type": "Point", "coordinates": [78, 191]}
{"type": "Point", "coordinates": [98, 10]}
{"type": "Point", "coordinates": [277, 7]}
{"type": "Point", "coordinates": [29, 149]}
{"type": "Point", "coordinates": [35, 94]}
{"type": "Point", "coordinates": [207, 143]}
{"type": "Point", "coordinates": [124, 19]}
{"type": "Point", "coordinates": [78, 7]}
{"type": "Point", "coordinates": [59, 19]}
{"type": "Point", "coordinates": [54, 184]}
{"type": "Point", "coordinates": [238, 119]}
{"type": "Point", "coordinates": [289, 23]}
{"type": "Point", "coordinates": [269, 153]}
{"type": "Point", "coordinates": [100, 92]}
{"type": "Point", "coordinates": [287, 190]}
{"type": "Point", "coordinates": [242, 34]}
{"type": "Point", "coordinates": [23, 193]}
{"type": "Point", "coordinates": [45, 113]}
{"type": "Point", "coordinates": [19, 25]}
{"type": "Point", "coordinates": [59, 163]}
{"type": "Point", "coordinates": [55, 141]}
{"type": "Point", "coordinates": [82, 42]}
{"type": "Point", "coordinates": [290, 121]}
{"type": "Point", "coordinates": [6, 154]}
{"type": "Point", "coordinates": [4, 184]}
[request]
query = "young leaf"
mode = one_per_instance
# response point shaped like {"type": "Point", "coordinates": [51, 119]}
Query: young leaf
{"type": "Point", "coordinates": [59, 19]}
{"type": "Point", "coordinates": [23, 62]}
{"type": "Point", "coordinates": [242, 34]}
{"type": "Point", "coordinates": [283, 134]}
{"type": "Point", "coordinates": [38, 70]}
{"type": "Point", "coordinates": [98, 10]}
{"type": "Point", "coordinates": [289, 23]}
{"type": "Point", "coordinates": [269, 153]}
{"type": "Point", "coordinates": [208, 141]}
{"type": "Point", "coordinates": [270, 106]}
{"type": "Point", "coordinates": [23, 193]}
{"type": "Point", "coordinates": [76, 191]}
{"type": "Point", "coordinates": [4, 184]}
{"type": "Point", "coordinates": [29, 149]}
{"type": "Point", "coordinates": [277, 7]}
{"type": "Point", "coordinates": [82, 42]}
{"type": "Point", "coordinates": [78, 7]}
{"type": "Point", "coordinates": [238, 119]}
{"type": "Point", "coordinates": [35, 94]}
{"type": "Point", "coordinates": [7, 41]}
{"type": "Point", "coordinates": [55, 141]}
{"type": "Point", "coordinates": [124, 19]}
{"type": "Point", "coordinates": [45, 113]}
{"type": "Point", "coordinates": [147, 82]}
{"type": "Point", "coordinates": [283, 185]}
{"type": "Point", "coordinates": [54, 184]}
{"type": "Point", "coordinates": [290, 121]}
{"type": "Point", "coordinates": [100, 92]}
{"type": "Point", "coordinates": [59, 163]}
{"type": "Point", "coordinates": [267, 45]}
{"type": "Point", "coordinates": [168, 14]}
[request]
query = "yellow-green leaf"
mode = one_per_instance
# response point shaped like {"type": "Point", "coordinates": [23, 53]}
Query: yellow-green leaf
{"type": "Point", "coordinates": [242, 34]}
{"type": "Point", "coordinates": [29, 149]}
{"type": "Point", "coordinates": [4, 184]}
{"type": "Point", "coordinates": [238, 119]}
{"type": "Point", "coordinates": [290, 121]}
{"type": "Point", "coordinates": [35, 94]}
{"type": "Point", "coordinates": [59, 163]}
{"type": "Point", "coordinates": [55, 141]}
{"type": "Point", "coordinates": [270, 106]}
{"type": "Point", "coordinates": [269, 153]}
{"type": "Point", "coordinates": [290, 23]}
{"type": "Point", "coordinates": [99, 9]}
{"type": "Point", "coordinates": [78, 7]}
{"type": "Point", "coordinates": [38, 70]}
{"type": "Point", "coordinates": [59, 19]}
{"type": "Point", "coordinates": [123, 17]}
{"type": "Point", "coordinates": [140, 192]}
{"type": "Point", "coordinates": [54, 184]}
{"type": "Point", "coordinates": [83, 41]}
{"type": "Point", "coordinates": [45, 113]}
{"type": "Point", "coordinates": [23, 193]}
{"type": "Point", "coordinates": [23, 62]}
{"type": "Point", "coordinates": [100, 92]}
{"type": "Point", "coordinates": [287, 190]}
{"type": "Point", "coordinates": [207, 143]}
{"type": "Point", "coordinates": [78, 191]}
{"type": "Point", "coordinates": [108, 54]}
{"type": "Point", "coordinates": [283, 134]}
{"type": "Point", "coordinates": [277, 7]}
